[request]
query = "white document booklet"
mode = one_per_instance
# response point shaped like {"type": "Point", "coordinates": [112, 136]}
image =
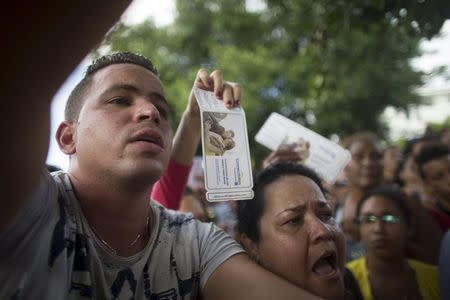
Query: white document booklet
{"type": "Point", "coordinates": [322, 155]}
{"type": "Point", "coordinates": [226, 154]}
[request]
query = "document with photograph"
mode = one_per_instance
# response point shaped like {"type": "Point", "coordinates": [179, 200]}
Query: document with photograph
{"type": "Point", "coordinates": [322, 155]}
{"type": "Point", "coordinates": [226, 153]}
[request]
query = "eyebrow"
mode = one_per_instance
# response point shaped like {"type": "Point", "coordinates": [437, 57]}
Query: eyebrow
{"type": "Point", "coordinates": [302, 207]}
{"type": "Point", "coordinates": [298, 208]}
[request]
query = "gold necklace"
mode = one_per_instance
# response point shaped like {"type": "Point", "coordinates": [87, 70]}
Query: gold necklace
{"type": "Point", "coordinates": [114, 251]}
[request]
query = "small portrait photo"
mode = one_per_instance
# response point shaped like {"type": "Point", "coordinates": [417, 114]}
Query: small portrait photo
{"type": "Point", "coordinates": [219, 133]}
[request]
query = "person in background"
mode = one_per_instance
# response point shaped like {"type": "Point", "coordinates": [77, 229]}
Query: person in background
{"type": "Point", "coordinates": [222, 213]}
{"type": "Point", "coordinates": [392, 158]}
{"type": "Point", "coordinates": [444, 270]}
{"type": "Point", "coordinates": [433, 164]}
{"type": "Point", "coordinates": [190, 203]}
{"type": "Point", "coordinates": [409, 176]}
{"type": "Point", "coordinates": [293, 233]}
{"type": "Point", "coordinates": [363, 173]}
{"type": "Point", "coordinates": [445, 136]}
{"type": "Point", "coordinates": [385, 272]}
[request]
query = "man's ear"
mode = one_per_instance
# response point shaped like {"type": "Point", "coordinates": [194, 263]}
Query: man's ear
{"type": "Point", "coordinates": [65, 136]}
{"type": "Point", "coordinates": [249, 246]}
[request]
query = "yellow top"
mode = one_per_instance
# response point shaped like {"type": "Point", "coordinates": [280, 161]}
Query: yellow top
{"type": "Point", "coordinates": [426, 276]}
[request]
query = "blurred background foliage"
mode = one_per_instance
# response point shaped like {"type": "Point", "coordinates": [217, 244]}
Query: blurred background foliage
{"type": "Point", "coordinates": [333, 66]}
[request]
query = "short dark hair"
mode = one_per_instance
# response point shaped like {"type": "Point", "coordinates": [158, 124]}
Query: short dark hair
{"type": "Point", "coordinates": [428, 153]}
{"type": "Point", "coordinates": [390, 192]}
{"type": "Point", "coordinates": [249, 212]}
{"type": "Point", "coordinates": [75, 100]}
{"type": "Point", "coordinates": [411, 143]}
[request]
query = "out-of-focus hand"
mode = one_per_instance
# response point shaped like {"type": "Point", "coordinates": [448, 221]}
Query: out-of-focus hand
{"type": "Point", "coordinates": [283, 154]}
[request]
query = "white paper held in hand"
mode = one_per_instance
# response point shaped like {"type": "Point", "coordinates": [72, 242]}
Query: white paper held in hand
{"type": "Point", "coordinates": [226, 153]}
{"type": "Point", "coordinates": [322, 155]}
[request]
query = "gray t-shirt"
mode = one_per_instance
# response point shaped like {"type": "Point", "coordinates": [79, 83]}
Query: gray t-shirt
{"type": "Point", "coordinates": [50, 252]}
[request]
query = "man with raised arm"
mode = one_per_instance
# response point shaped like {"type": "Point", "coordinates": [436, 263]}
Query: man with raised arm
{"type": "Point", "coordinates": [91, 232]}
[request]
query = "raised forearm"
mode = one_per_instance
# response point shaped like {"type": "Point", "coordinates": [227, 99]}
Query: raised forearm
{"type": "Point", "coordinates": [187, 138]}
{"type": "Point", "coordinates": [45, 42]}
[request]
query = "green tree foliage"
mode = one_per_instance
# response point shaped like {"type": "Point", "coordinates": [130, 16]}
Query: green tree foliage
{"type": "Point", "coordinates": [333, 66]}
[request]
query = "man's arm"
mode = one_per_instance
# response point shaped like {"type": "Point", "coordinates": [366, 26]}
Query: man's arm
{"type": "Point", "coordinates": [45, 43]}
{"type": "Point", "coordinates": [241, 278]}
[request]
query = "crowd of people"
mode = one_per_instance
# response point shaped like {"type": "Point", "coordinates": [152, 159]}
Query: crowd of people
{"type": "Point", "coordinates": [392, 229]}
{"type": "Point", "coordinates": [113, 226]}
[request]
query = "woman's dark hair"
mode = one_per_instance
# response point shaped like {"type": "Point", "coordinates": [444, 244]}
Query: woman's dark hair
{"type": "Point", "coordinates": [391, 193]}
{"type": "Point", "coordinates": [249, 212]}
{"type": "Point", "coordinates": [428, 153]}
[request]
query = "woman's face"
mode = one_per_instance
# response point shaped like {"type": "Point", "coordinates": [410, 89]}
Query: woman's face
{"type": "Point", "coordinates": [391, 160]}
{"type": "Point", "coordinates": [383, 228]}
{"type": "Point", "coordinates": [364, 170]}
{"type": "Point", "coordinates": [299, 238]}
{"type": "Point", "coordinates": [409, 174]}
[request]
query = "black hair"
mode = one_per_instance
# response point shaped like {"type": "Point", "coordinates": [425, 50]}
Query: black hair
{"type": "Point", "coordinates": [75, 100]}
{"type": "Point", "coordinates": [52, 168]}
{"type": "Point", "coordinates": [428, 153]}
{"type": "Point", "coordinates": [249, 212]}
{"type": "Point", "coordinates": [411, 143]}
{"type": "Point", "coordinates": [391, 193]}
{"type": "Point", "coordinates": [364, 136]}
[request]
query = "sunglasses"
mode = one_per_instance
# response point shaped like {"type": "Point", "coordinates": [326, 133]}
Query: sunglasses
{"type": "Point", "coordinates": [386, 218]}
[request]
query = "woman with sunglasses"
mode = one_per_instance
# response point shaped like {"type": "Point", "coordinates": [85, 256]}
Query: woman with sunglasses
{"type": "Point", "coordinates": [385, 272]}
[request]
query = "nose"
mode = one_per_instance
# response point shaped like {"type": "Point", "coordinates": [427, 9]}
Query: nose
{"type": "Point", "coordinates": [147, 111]}
{"type": "Point", "coordinates": [319, 231]}
{"type": "Point", "coordinates": [378, 226]}
{"type": "Point", "coordinates": [368, 161]}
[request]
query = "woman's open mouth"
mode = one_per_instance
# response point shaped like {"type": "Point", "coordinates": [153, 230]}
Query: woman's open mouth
{"type": "Point", "coordinates": [326, 265]}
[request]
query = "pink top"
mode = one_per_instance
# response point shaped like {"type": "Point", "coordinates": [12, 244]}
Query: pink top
{"type": "Point", "coordinates": [442, 219]}
{"type": "Point", "coordinates": [169, 189]}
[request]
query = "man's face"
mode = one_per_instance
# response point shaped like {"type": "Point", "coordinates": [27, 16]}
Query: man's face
{"type": "Point", "coordinates": [123, 128]}
{"type": "Point", "coordinates": [437, 177]}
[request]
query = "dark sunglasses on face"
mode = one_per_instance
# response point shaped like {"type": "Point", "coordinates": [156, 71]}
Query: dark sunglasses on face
{"type": "Point", "coordinates": [386, 218]}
